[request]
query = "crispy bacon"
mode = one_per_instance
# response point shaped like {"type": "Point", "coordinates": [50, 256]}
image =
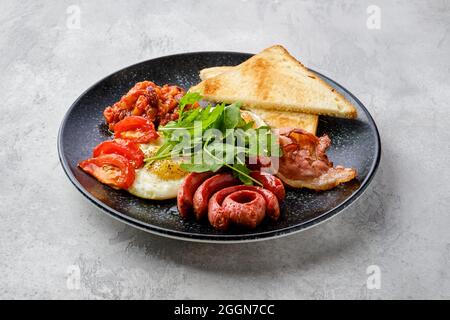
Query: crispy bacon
{"type": "Point", "coordinates": [303, 154]}
{"type": "Point", "coordinates": [304, 163]}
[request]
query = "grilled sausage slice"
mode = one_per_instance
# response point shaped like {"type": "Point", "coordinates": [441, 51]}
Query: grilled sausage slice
{"type": "Point", "coordinates": [186, 192]}
{"type": "Point", "coordinates": [221, 214]}
{"type": "Point", "coordinates": [272, 204]}
{"type": "Point", "coordinates": [207, 189]}
{"type": "Point", "coordinates": [271, 183]}
{"type": "Point", "coordinates": [246, 208]}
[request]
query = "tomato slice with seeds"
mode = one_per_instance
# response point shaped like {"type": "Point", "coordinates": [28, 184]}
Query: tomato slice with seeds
{"type": "Point", "coordinates": [111, 169]}
{"type": "Point", "coordinates": [135, 128]}
{"type": "Point", "coordinates": [126, 148]}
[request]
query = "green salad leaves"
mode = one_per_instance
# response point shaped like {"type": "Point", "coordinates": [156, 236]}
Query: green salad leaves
{"type": "Point", "coordinates": [210, 138]}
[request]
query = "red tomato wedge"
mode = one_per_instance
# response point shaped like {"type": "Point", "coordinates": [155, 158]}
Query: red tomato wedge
{"type": "Point", "coordinates": [135, 128]}
{"type": "Point", "coordinates": [111, 169]}
{"type": "Point", "coordinates": [126, 148]}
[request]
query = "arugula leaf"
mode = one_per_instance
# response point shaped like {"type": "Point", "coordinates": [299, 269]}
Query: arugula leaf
{"type": "Point", "coordinates": [241, 123]}
{"type": "Point", "coordinates": [188, 98]}
{"type": "Point", "coordinates": [231, 149]}
{"type": "Point", "coordinates": [190, 118]}
{"type": "Point", "coordinates": [241, 172]}
{"type": "Point", "coordinates": [214, 119]}
{"type": "Point", "coordinates": [205, 112]}
{"type": "Point", "coordinates": [163, 152]}
{"type": "Point", "coordinates": [223, 152]}
{"type": "Point", "coordinates": [248, 125]}
{"type": "Point", "coordinates": [191, 167]}
{"type": "Point", "coordinates": [232, 116]}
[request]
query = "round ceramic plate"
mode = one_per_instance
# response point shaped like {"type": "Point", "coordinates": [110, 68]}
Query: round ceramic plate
{"type": "Point", "coordinates": [355, 143]}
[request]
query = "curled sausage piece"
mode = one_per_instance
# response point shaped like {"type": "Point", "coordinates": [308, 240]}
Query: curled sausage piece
{"type": "Point", "coordinates": [272, 204]}
{"type": "Point", "coordinates": [246, 208]}
{"type": "Point", "coordinates": [271, 183]}
{"type": "Point", "coordinates": [220, 216]}
{"type": "Point", "coordinates": [186, 192]}
{"type": "Point", "coordinates": [207, 189]}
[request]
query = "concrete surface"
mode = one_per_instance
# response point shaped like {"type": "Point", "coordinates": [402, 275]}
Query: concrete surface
{"type": "Point", "coordinates": [51, 237]}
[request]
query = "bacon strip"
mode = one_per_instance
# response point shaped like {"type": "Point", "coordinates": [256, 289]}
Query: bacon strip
{"type": "Point", "coordinates": [304, 163]}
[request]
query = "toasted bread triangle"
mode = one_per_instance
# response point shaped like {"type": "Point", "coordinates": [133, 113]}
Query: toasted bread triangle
{"type": "Point", "coordinates": [274, 80]}
{"type": "Point", "coordinates": [274, 118]}
{"type": "Point", "coordinates": [213, 71]}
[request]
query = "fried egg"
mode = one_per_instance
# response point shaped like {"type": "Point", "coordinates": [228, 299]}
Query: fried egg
{"type": "Point", "coordinates": [162, 179]}
{"type": "Point", "coordinates": [159, 180]}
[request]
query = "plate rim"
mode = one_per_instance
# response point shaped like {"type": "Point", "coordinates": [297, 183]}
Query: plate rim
{"type": "Point", "coordinates": [217, 238]}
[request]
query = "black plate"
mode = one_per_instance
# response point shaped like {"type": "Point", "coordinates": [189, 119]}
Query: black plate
{"type": "Point", "coordinates": [355, 143]}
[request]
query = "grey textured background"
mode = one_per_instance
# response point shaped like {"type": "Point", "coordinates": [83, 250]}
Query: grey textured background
{"type": "Point", "coordinates": [401, 72]}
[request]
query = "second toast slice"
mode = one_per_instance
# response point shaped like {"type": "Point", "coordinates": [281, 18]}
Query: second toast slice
{"type": "Point", "coordinates": [276, 119]}
{"type": "Point", "coordinates": [274, 80]}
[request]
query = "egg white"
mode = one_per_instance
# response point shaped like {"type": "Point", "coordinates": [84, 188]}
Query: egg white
{"type": "Point", "coordinates": [148, 185]}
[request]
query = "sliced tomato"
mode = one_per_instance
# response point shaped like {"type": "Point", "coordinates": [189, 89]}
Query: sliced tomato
{"type": "Point", "coordinates": [135, 128]}
{"type": "Point", "coordinates": [126, 148]}
{"type": "Point", "coordinates": [111, 169]}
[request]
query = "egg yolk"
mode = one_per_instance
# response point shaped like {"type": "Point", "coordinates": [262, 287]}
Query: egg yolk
{"type": "Point", "coordinates": [167, 170]}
